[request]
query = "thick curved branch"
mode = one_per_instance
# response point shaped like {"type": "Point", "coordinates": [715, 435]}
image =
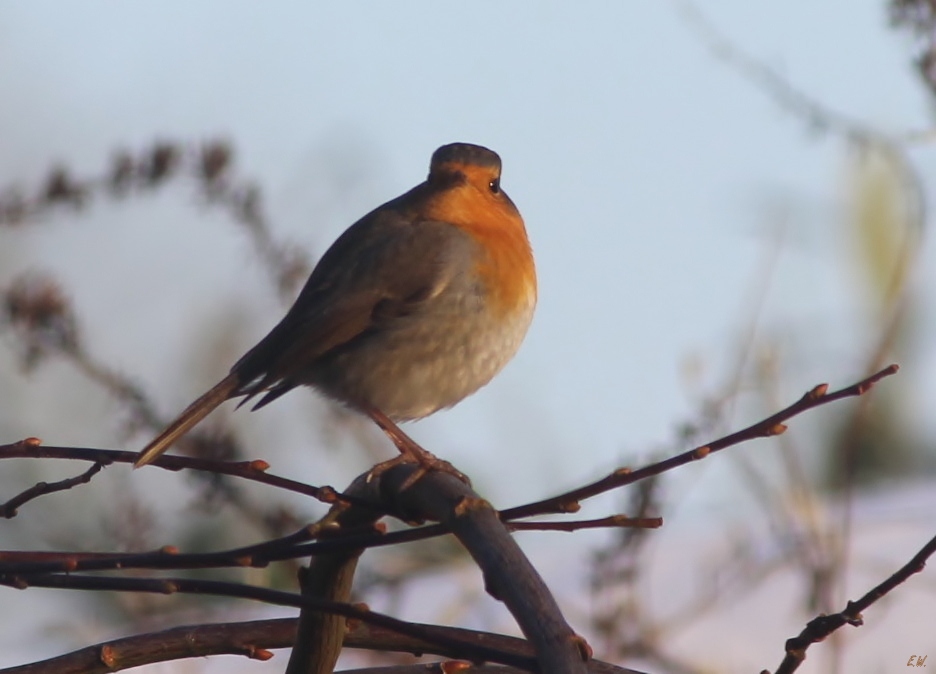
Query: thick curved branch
{"type": "Point", "coordinates": [508, 574]}
{"type": "Point", "coordinates": [320, 636]}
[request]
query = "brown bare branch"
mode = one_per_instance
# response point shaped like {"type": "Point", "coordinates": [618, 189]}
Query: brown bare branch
{"type": "Point", "coordinates": [611, 522]}
{"type": "Point", "coordinates": [320, 636]}
{"type": "Point", "coordinates": [265, 595]}
{"type": "Point", "coordinates": [254, 470]}
{"type": "Point", "coordinates": [257, 636]}
{"type": "Point", "coordinates": [9, 509]}
{"type": "Point", "coordinates": [508, 574]}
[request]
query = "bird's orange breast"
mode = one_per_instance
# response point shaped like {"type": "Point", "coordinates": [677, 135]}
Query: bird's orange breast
{"type": "Point", "coordinates": [507, 268]}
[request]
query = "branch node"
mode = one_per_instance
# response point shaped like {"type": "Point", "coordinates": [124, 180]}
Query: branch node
{"type": "Point", "coordinates": [818, 392]}
{"type": "Point", "coordinates": [795, 648]}
{"type": "Point", "coordinates": [855, 621]}
{"type": "Point", "coordinates": [255, 653]}
{"type": "Point", "coordinates": [852, 615]}
{"type": "Point", "coordinates": [468, 504]}
{"type": "Point", "coordinates": [259, 465]}
{"type": "Point", "coordinates": [584, 649]}
{"type": "Point", "coordinates": [108, 657]}
{"type": "Point", "coordinates": [701, 452]}
{"type": "Point", "coordinates": [776, 429]}
{"type": "Point", "coordinates": [352, 624]}
{"type": "Point", "coordinates": [328, 494]}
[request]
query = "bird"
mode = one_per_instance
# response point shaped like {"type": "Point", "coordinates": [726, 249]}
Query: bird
{"type": "Point", "coordinates": [413, 308]}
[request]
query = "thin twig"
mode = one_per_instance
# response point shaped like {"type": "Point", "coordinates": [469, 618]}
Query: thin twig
{"type": "Point", "coordinates": [8, 509]}
{"type": "Point", "coordinates": [168, 557]}
{"type": "Point", "coordinates": [821, 627]}
{"type": "Point", "coordinates": [772, 425]}
{"type": "Point", "coordinates": [611, 522]}
{"type": "Point", "coordinates": [254, 470]}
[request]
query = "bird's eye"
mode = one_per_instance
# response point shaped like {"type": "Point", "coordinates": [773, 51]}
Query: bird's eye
{"type": "Point", "coordinates": [494, 185]}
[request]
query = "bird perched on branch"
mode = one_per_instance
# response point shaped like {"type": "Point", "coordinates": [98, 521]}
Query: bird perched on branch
{"type": "Point", "coordinates": [415, 307]}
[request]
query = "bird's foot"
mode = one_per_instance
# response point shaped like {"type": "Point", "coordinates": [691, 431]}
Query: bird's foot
{"type": "Point", "coordinates": [426, 463]}
{"type": "Point", "coordinates": [410, 452]}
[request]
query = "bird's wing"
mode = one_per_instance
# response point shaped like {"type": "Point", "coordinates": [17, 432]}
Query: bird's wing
{"type": "Point", "coordinates": [382, 267]}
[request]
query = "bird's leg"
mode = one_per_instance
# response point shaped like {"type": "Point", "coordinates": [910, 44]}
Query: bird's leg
{"type": "Point", "coordinates": [410, 450]}
{"type": "Point", "coordinates": [403, 442]}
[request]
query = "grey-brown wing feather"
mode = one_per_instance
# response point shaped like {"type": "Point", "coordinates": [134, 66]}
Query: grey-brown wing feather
{"type": "Point", "coordinates": [382, 267]}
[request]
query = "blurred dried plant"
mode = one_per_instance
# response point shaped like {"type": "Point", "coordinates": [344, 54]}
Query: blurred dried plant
{"type": "Point", "coordinates": [37, 313]}
{"type": "Point", "coordinates": [209, 165]}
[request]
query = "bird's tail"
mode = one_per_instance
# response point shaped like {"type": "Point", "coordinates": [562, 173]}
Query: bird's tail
{"type": "Point", "coordinates": [194, 413]}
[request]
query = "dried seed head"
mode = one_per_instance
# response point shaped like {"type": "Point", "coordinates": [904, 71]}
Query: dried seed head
{"type": "Point", "coordinates": [216, 159]}
{"type": "Point", "coordinates": [123, 170]}
{"type": "Point", "coordinates": [162, 161]}
{"type": "Point", "coordinates": [36, 306]}
{"type": "Point", "coordinates": [61, 188]}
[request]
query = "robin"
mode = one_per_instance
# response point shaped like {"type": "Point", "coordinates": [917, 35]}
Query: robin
{"type": "Point", "coordinates": [415, 307]}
